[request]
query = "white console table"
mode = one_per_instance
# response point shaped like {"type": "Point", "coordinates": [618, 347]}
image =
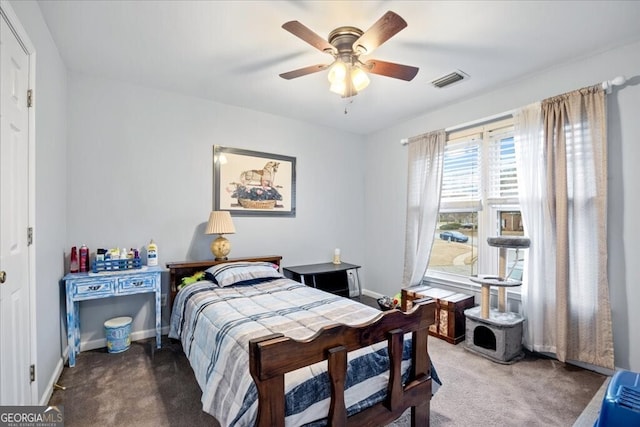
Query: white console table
{"type": "Point", "coordinates": [89, 286]}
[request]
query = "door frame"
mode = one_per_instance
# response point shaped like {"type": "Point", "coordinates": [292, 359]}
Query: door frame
{"type": "Point", "coordinates": [23, 38]}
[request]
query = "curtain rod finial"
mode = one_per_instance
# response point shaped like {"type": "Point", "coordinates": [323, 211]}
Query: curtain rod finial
{"type": "Point", "coordinates": [620, 80]}
{"type": "Point", "coordinates": [608, 85]}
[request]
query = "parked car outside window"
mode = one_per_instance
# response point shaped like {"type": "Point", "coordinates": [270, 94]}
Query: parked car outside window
{"type": "Point", "coordinates": [454, 236]}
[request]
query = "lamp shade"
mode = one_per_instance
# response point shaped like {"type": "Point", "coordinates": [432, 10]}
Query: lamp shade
{"type": "Point", "coordinates": [220, 223]}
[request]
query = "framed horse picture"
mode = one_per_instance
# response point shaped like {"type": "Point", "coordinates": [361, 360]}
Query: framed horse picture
{"type": "Point", "coordinates": [251, 183]}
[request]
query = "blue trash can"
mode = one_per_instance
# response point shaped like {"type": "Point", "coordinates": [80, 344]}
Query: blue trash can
{"type": "Point", "coordinates": [118, 332]}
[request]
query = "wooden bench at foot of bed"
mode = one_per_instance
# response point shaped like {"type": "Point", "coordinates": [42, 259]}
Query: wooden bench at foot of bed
{"type": "Point", "coordinates": [273, 356]}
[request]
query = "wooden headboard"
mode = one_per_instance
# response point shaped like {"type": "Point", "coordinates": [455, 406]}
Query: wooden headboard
{"type": "Point", "coordinates": [180, 269]}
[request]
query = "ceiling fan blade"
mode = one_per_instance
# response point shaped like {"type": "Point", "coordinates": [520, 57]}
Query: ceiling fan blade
{"type": "Point", "coordinates": [390, 69]}
{"type": "Point", "coordinates": [299, 30]}
{"type": "Point", "coordinates": [385, 28]}
{"type": "Point", "coordinates": [303, 71]}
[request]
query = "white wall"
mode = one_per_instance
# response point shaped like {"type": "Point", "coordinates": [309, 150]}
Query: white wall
{"type": "Point", "coordinates": [385, 244]}
{"type": "Point", "coordinates": [51, 192]}
{"type": "Point", "coordinates": [140, 165]}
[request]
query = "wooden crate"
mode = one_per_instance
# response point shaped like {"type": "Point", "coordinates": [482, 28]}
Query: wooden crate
{"type": "Point", "coordinates": [450, 307]}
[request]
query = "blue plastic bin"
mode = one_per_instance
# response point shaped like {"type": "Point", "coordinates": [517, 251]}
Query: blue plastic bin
{"type": "Point", "coordinates": [621, 402]}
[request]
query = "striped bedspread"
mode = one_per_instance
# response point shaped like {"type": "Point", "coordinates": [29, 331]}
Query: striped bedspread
{"type": "Point", "coordinates": [215, 325]}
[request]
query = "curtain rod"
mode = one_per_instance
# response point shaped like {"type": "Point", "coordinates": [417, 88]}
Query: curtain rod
{"type": "Point", "coordinates": [607, 85]}
{"type": "Point", "coordinates": [405, 141]}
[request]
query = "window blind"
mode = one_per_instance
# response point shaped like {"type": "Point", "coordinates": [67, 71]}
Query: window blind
{"type": "Point", "coordinates": [479, 164]}
{"type": "Point", "coordinates": [502, 179]}
{"type": "Point", "coordinates": [461, 180]}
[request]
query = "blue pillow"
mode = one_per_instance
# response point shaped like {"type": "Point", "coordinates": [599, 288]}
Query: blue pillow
{"type": "Point", "coordinates": [237, 273]}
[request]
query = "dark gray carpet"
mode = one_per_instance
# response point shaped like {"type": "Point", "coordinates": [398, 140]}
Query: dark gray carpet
{"type": "Point", "coordinates": [142, 386]}
{"type": "Point", "coordinates": [148, 387]}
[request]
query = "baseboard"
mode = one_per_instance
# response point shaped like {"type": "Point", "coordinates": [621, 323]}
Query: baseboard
{"type": "Point", "coordinates": [588, 366]}
{"type": "Point", "coordinates": [594, 368]}
{"type": "Point", "coordinates": [55, 376]}
{"type": "Point", "coordinates": [135, 336]}
{"type": "Point", "coordinates": [371, 294]}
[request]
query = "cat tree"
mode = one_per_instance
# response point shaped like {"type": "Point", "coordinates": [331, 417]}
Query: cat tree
{"type": "Point", "coordinates": [496, 333]}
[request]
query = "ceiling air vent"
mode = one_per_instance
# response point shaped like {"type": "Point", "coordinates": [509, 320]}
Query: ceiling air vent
{"type": "Point", "coordinates": [449, 79]}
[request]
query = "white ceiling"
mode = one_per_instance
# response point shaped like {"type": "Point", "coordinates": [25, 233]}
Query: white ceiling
{"type": "Point", "coordinates": [233, 51]}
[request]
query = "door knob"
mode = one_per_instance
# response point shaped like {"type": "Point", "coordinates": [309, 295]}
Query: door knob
{"type": "Point", "coordinates": [3, 276]}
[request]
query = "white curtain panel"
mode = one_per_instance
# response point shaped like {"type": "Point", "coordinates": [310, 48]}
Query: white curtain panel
{"type": "Point", "coordinates": [538, 278]}
{"type": "Point", "coordinates": [563, 165]}
{"type": "Point", "coordinates": [426, 159]}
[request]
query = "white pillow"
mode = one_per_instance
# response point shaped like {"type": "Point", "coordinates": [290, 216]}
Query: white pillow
{"type": "Point", "coordinates": [242, 273]}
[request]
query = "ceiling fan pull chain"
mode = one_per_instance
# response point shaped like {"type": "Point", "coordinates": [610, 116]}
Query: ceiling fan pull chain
{"type": "Point", "coordinates": [348, 101]}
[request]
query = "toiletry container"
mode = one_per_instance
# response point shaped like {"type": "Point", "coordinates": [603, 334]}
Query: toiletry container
{"type": "Point", "coordinates": [152, 253]}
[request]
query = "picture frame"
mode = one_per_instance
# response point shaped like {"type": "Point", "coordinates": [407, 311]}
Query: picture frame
{"type": "Point", "coordinates": [253, 183]}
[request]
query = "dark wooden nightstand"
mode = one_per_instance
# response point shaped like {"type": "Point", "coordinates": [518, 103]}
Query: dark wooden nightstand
{"type": "Point", "coordinates": [327, 276]}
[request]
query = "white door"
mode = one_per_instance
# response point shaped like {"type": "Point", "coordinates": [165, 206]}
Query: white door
{"type": "Point", "coordinates": [15, 351]}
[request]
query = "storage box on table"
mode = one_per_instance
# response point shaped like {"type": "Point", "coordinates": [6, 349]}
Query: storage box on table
{"type": "Point", "coordinates": [450, 306]}
{"type": "Point", "coordinates": [116, 265]}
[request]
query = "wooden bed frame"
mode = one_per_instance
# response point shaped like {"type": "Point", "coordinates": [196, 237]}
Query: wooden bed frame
{"type": "Point", "coordinates": [272, 356]}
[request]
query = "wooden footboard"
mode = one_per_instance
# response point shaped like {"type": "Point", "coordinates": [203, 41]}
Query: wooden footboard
{"type": "Point", "coordinates": [273, 356]}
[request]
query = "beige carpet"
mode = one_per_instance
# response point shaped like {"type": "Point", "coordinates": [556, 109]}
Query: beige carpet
{"type": "Point", "coordinates": [148, 387]}
{"type": "Point", "coordinates": [536, 391]}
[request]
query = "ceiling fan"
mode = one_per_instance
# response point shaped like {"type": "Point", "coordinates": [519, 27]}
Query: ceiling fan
{"type": "Point", "coordinates": [347, 73]}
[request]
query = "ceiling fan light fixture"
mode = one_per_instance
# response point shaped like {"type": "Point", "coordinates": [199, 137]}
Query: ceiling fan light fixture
{"type": "Point", "coordinates": [359, 79]}
{"type": "Point", "coordinates": [338, 87]}
{"type": "Point", "coordinates": [337, 72]}
{"type": "Point", "coordinates": [347, 87]}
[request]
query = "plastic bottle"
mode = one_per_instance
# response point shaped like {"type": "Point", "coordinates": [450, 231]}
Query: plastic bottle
{"type": "Point", "coordinates": [73, 263]}
{"type": "Point", "coordinates": [123, 257]}
{"type": "Point", "coordinates": [152, 253]}
{"type": "Point", "coordinates": [84, 259]}
{"type": "Point", "coordinates": [137, 262]}
{"type": "Point", "coordinates": [115, 256]}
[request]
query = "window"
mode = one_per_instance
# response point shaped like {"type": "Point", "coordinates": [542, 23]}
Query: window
{"type": "Point", "coordinates": [479, 199]}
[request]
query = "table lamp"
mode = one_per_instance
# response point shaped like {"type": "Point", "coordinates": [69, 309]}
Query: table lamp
{"type": "Point", "coordinates": [220, 223]}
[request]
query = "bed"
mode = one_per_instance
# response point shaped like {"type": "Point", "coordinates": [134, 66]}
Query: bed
{"type": "Point", "coordinates": [269, 351]}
